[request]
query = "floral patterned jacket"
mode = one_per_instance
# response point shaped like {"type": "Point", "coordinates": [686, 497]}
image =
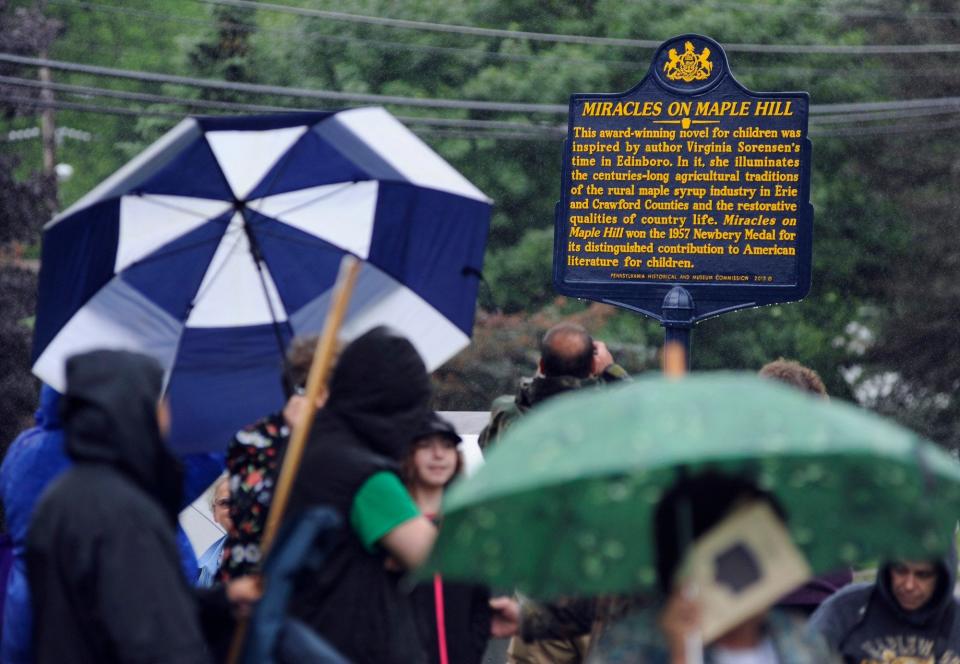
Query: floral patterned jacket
{"type": "Point", "coordinates": [253, 461]}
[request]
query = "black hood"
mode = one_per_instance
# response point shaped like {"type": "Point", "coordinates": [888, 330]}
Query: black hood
{"type": "Point", "coordinates": [109, 414]}
{"type": "Point", "coordinates": [942, 599]}
{"type": "Point", "coordinates": [381, 390]}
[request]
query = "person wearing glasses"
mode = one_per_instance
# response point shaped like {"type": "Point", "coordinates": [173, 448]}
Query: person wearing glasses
{"type": "Point", "coordinates": [209, 562]}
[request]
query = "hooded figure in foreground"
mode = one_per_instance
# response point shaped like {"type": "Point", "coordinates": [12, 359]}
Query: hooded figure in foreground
{"type": "Point", "coordinates": [909, 614]}
{"type": "Point", "coordinates": [379, 398]}
{"type": "Point", "coordinates": [102, 562]}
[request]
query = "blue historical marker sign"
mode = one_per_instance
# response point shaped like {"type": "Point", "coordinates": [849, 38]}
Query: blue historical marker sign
{"type": "Point", "coordinates": [687, 196]}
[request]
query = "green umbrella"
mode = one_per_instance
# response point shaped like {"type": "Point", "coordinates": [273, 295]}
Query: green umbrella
{"type": "Point", "coordinates": [564, 503]}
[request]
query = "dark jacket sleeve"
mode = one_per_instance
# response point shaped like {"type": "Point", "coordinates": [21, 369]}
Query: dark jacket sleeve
{"type": "Point", "coordinates": [153, 619]}
{"type": "Point", "coordinates": [563, 619]}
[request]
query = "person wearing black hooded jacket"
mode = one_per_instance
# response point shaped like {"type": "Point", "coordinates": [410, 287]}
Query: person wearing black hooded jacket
{"type": "Point", "coordinates": [102, 561]}
{"type": "Point", "coordinates": [378, 399]}
{"type": "Point", "coordinates": [909, 615]}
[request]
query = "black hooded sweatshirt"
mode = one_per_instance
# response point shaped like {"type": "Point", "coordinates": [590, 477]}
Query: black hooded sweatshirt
{"type": "Point", "coordinates": [865, 623]}
{"type": "Point", "coordinates": [102, 561]}
{"type": "Point", "coordinates": [379, 398]}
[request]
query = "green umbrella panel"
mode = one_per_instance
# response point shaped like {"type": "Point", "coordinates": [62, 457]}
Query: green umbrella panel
{"type": "Point", "coordinates": [564, 503]}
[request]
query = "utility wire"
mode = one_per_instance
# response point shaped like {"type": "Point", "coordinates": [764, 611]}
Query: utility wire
{"type": "Point", "coordinates": [493, 133]}
{"type": "Point", "coordinates": [463, 123]}
{"type": "Point", "coordinates": [835, 49]}
{"type": "Point", "coordinates": [470, 128]}
{"type": "Point", "coordinates": [96, 108]}
{"type": "Point", "coordinates": [91, 91]}
{"type": "Point", "coordinates": [882, 115]}
{"type": "Point", "coordinates": [426, 102]}
{"type": "Point", "coordinates": [472, 54]}
{"type": "Point", "coordinates": [767, 8]}
{"type": "Point", "coordinates": [869, 106]}
{"type": "Point", "coordinates": [146, 97]}
{"type": "Point", "coordinates": [900, 128]}
{"type": "Point", "coordinates": [380, 44]}
{"type": "Point", "coordinates": [257, 88]}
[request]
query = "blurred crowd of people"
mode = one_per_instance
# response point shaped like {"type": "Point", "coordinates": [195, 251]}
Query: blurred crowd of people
{"type": "Point", "coordinates": [101, 571]}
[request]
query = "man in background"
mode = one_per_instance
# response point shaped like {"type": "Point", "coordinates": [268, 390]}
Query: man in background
{"type": "Point", "coordinates": [569, 360]}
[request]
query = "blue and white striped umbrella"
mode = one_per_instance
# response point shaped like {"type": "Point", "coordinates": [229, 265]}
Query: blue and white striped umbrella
{"type": "Point", "coordinates": [223, 239]}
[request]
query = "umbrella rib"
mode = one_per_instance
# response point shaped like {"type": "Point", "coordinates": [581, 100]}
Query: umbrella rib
{"type": "Point", "coordinates": [320, 242]}
{"type": "Point", "coordinates": [157, 255]}
{"type": "Point", "coordinates": [167, 204]}
{"type": "Point", "coordinates": [257, 255]}
{"type": "Point", "coordinates": [223, 263]}
{"type": "Point", "coordinates": [319, 197]}
{"type": "Point", "coordinates": [280, 167]}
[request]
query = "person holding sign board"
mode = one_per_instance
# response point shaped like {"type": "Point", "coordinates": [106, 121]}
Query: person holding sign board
{"type": "Point", "coordinates": [719, 587]}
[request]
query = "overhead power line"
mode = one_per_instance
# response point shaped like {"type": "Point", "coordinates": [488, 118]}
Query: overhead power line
{"type": "Point", "coordinates": [899, 104]}
{"type": "Point", "coordinates": [834, 49]}
{"type": "Point", "coordinates": [492, 133]}
{"type": "Point", "coordinates": [463, 123]}
{"type": "Point", "coordinates": [898, 128]}
{"type": "Point", "coordinates": [379, 44]}
{"type": "Point", "coordinates": [145, 97]}
{"type": "Point", "coordinates": [473, 54]}
{"type": "Point", "coordinates": [767, 8]}
{"type": "Point", "coordinates": [424, 102]}
{"type": "Point", "coordinates": [258, 88]}
{"type": "Point", "coordinates": [93, 91]}
{"type": "Point", "coordinates": [75, 106]}
{"type": "Point", "coordinates": [425, 130]}
{"type": "Point", "coordinates": [851, 118]}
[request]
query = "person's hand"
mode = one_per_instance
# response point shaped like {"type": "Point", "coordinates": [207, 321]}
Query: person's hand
{"type": "Point", "coordinates": [601, 358]}
{"type": "Point", "coordinates": [679, 618]}
{"type": "Point", "coordinates": [505, 621]}
{"type": "Point", "coordinates": [243, 593]}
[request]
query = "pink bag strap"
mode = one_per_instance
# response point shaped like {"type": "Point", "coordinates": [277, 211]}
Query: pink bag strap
{"type": "Point", "coordinates": [441, 626]}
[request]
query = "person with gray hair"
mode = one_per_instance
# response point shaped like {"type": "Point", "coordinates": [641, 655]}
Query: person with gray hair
{"type": "Point", "coordinates": [209, 561]}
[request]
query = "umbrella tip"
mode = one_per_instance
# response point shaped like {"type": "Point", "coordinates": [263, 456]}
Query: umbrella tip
{"type": "Point", "coordinates": [674, 360]}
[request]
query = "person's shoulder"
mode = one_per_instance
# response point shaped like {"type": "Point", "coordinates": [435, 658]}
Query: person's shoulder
{"type": "Point", "coordinates": [849, 595]}
{"type": "Point", "coordinates": [89, 502]}
{"type": "Point", "coordinates": [504, 410]}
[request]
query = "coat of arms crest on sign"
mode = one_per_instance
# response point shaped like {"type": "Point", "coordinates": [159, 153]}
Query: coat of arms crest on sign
{"type": "Point", "coordinates": [690, 66]}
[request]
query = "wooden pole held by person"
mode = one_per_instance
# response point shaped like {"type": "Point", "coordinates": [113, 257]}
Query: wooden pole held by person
{"type": "Point", "coordinates": [316, 381]}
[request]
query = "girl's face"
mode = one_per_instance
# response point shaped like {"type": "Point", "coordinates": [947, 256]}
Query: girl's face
{"type": "Point", "coordinates": [435, 460]}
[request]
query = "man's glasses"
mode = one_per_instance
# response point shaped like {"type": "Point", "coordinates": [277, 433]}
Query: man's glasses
{"type": "Point", "coordinates": [221, 502]}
